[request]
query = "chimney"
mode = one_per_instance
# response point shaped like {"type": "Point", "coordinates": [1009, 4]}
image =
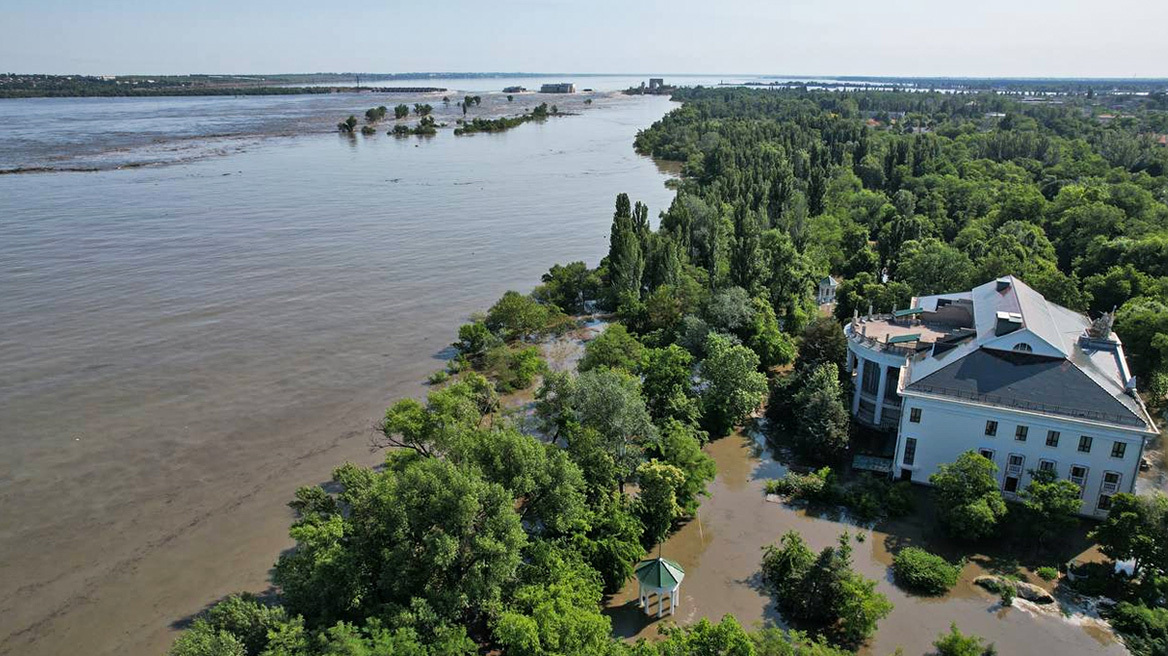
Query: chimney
{"type": "Point", "coordinates": [1003, 284]}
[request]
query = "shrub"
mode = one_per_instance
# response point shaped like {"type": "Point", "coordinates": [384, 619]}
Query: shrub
{"type": "Point", "coordinates": [956, 643]}
{"type": "Point", "coordinates": [923, 572]}
{"type": "Point", "coordinates": [438, 377]}
{"type": "Point", "coordinates": [1007, 593]}
{"type": "Point", "coordinates": [813, 486]}
{"type": "Point", "coordinates": [1047, 573]}
{"type": "Point", "coordinates": [1144, 630]}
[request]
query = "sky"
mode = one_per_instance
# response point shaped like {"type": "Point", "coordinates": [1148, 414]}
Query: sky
{"type": "Point", "coordinates": [984, 38]}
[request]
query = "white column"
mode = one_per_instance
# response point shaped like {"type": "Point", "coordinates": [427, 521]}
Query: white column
{"type": "Point", "coordinates": [880, 369]}
{"type": "Point", "coordinates": [660, 602]}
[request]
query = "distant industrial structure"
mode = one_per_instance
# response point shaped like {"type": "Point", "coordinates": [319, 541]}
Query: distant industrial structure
{"type": "Point", "coordinates": [656, 87]}
{"type": "Point", "coordinates": [560, 87]}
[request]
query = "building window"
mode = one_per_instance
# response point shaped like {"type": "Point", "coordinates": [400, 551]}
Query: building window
{"type": "Point", "coordinates": [1023, 347]}
{"type": "Point", "coordinates": [910, 450]}
{"type": "Point", "coordinates": [991, 428]}
{"type": "Point", "coordinates": [871, 380]}
{"type": "Point", "coordinates": [1021, 432]}
{"type": "Point", "coordinates": [914, 415]}
{"type": "Point", "coordinates": [1085, 444]}
{"type": "Point", "coordinates": [1052, 438]}
{"type": "Point", "coordinates": [1109, 489]}
{"type": "Point", "coordinates": [1014, 464]}
{"type": "Point", "coordinates": [1048, 466]}
{"type": "Point", "coordinates": [1079, 477]}
{"type": "Point", "coordinates": [988, 454]}
{"type": "Point", "coordinates": [1118, 449]}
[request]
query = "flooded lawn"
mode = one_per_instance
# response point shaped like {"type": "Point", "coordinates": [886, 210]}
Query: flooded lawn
{"type": "Point", "coordinates": [721, 551]}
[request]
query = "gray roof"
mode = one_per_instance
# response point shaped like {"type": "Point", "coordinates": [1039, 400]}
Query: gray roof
{"type": "Point", "coordinates": [1027, 382]}
{"type": "Point", "coordinates": [1017, 297]}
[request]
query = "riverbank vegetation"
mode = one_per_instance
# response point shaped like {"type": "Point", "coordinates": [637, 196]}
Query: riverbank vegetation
{"type": "Point", "coordinates": [504, 123]}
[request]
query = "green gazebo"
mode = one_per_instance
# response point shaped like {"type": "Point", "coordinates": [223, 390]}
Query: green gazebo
{"type": "Point", "coordinates": [659, 576]}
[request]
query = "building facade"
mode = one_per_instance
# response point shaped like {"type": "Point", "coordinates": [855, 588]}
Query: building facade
{"type": "Point", "coordinates": [999, 370]}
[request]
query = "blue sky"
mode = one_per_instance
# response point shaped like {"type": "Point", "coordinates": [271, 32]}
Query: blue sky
{"type": "Point", "coordinates": [1117, 38]}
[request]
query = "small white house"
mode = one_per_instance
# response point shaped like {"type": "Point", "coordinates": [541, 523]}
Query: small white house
{"type": "Point", "coordinates": [1028, 384]}
{"type": "Point", "coordinates": [827, 289]}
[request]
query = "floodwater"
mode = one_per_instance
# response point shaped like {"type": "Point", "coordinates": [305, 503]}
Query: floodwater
{"type": "Point", "coordinates": [721, 552]}
{"type": "Point", "coordinates": [182, 346]}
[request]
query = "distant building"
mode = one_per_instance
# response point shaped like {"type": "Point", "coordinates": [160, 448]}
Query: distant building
{"type": "Point", "coordinates": [1029, 385]}
{"type": "Point", "coordinates": [514, 89]}
{"type": "Point", "coordinates": [561, 87]}
{"type": "Point", "coordinates": [656, 83]}
{"type": "Point", "coordinates": [827, 290]}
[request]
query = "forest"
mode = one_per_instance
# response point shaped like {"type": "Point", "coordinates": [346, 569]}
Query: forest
{"type": "Point", "coordinates": [491, 531]}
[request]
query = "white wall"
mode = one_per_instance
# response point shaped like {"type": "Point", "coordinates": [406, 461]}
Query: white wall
{"type": "Point", "coordinates": [949, 428]}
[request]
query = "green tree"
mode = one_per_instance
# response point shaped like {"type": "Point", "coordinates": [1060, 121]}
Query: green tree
{"type": "Point", "coordinates": [772, 345]}
{"type": "Point", "coordinates": [746, 260]}
{"type": "Point", "coordinates": [474, 340]}
{"type": "Point", "coordinates": [436, 426]}
{"type": "Point", "coordinates": [1136, 529]}
{"type": "Point", "coordinates": [614, 348]}
{"type": "Point", "coordinates": [610, 402]}
{"type": "Point", "coordinates": [201, 639]}
{"type": "Point", "coordinates": [516, 316]}
{"type": "Point", "coordinates": [969, 503]}
{"type": "Point", "coordinates": [821, 592]}
{"type": "Point", "coordinates": [822, 342]}
{"type": "Point", "coordinates": [547, 485]}
{"type": "Point", "coordinates": [1050, 505]}
{"type": "Point", "coordinates": [821, 431]}
{"type": "Point", "coordinates": [726, 638]}
{"type": "Point", "coordinates": [401, 111]}
{"type": "Point", "coordinates": [656, 503]}
{"type": "Point", "coordinates": [733, 386]}
{"type": "Point", "coordinates": [667, 383]}
{"type": "Point", "coordinates": [930, 266]}
{"type": "Point", "coordinates": [626, 261]}
{"type": "Point", "coordinates": [424, 530]}
{"type": "Point", "coordinates": [1142, 324]}
{"type": "Point", "coordinates": [569, 287]}
{"type": "Point", "coordinates": [681, 447]}
{"type": "Point", "coordinates": [556, 611]}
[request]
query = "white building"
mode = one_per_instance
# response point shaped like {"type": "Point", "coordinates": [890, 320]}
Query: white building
{"type": "Point", "coordinates": [827, 289]}
{"type": "Point", "coordinates": [1000, 370]}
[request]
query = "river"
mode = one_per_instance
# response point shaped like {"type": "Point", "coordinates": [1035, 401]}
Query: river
{"type": "Point", "coordinates": [183, 345]}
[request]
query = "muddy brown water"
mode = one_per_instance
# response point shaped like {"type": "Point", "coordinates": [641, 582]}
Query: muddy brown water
{"type": "Point", "coordinates": [181, 347]}
{"type": "Point", "coordinates": [722, 548]}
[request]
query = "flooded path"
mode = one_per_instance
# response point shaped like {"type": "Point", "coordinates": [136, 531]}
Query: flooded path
{"type": "Point", "coordinates": [721, 552]}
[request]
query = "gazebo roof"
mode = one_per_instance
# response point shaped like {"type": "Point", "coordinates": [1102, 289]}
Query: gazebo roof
{"type": "Point", "coordinates": [659, 573]}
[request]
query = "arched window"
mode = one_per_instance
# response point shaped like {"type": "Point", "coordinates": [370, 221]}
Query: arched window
{"type": "Point", "coordinates": [1023, 347]}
